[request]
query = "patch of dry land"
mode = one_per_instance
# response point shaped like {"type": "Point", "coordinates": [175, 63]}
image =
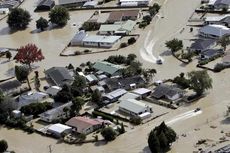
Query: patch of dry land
{"type": "Point", "coordinates": [171, 20]}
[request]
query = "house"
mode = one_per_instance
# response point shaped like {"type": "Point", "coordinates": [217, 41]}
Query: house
{"type": "Point", "coordinates": [100, 41]}
{"type": "Point", "coordinates": [108, 68]}
{"type": "Point", "coordinates": [91, 78]}
{"type": "Point", "coordinates": [53, 90]}
{"type": "Point", "coordinates": [10, 87]}
{"type": "Point", "coordinates": [210, 53]}
{"type": "Point", "coordinates": [117, 28]}
{"type": "Point", "coordinates": [78, 38]}
{"type": "Point", "coordinates": [202, 44]}
{"type": "Point", "coordinates": [219, 20]}
{"type": "Point", "coordinates": [221, 4]}
{"type": "Point", "coordinates": [117, 16]}
{"type": "Point", "coordinates": [31, 97]}
{"type": "Point", "coordinates": [10, 4]}
{"type": "Point", "coordinates": [99, 88]}
{"type": "Point", "coordinates": [113, 96]}
{"type": "Point", "coordinates": [72, 3]}
{"type": "Point", "coordinates": [124, 83]}
{"type": "Point", "coordinates": [45, 5]}
{"type": "Point", "coordinates": [55, 113]}
{"type": "Point", "coordinates": [129, 95]}
{"type": "Point", "coordinates": [169, 92]}
{"type": "Point", "coordinates": [84, 125]}
{"type": "Point", "coordinates": [134, 2]}
{"type": "Point", "coordinates": [4, 10]}
{"type": "Point", "coordinates": [90, 4]}
{"type": "Point", "coordinates": [134, 107]}
{"type": "Point", "coordinates": [143, 92]}
{"type": "Point", "coordinates": [214, 31]}
{"type": "Point", "coordinates": [59, 76]}
{"type": "Point", "coordinates": [59, 130]}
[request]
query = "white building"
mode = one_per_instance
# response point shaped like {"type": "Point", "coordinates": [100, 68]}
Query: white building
{"type": "Point", "coordinates": [4, 10]}
{"type": "Point", "coordinates": [134, 107]}
{"type": "Point", "coordinates": [143, 92]}
{"type": "Point", "coordinates": [134, 2]}
{"type": "Point", "coordinates": [58, 130]}
{"type": "Point", "coordinates": [100, 41]}
{"type": "Point", "coordinates": [214, 31]}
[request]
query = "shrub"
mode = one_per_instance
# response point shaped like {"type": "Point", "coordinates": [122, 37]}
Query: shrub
{"type": "Point", "coordinates": [87, 51]}
{"type": "Point", "coordinates": [59, 16]}
{"type": "Point", "coordinates": [90, 26]}
{"type": "Point", "coordinates": [3, 146]}
{"type": "Point", "coordinates": [109, 134]}
{"type": "Point", "coordinates": [135, 120]}
{"type": "Point", "coordinates": [123, 45]}
{"type": "Point", "coordinates": [131, 40]}
{"type": "Point", "coordinates": [143, 24]}
{"type": "Point", "coordinates": [77, 53]}
{"type": "Point", "coordinates": [104, 116]}
{"type": "Point", "coordinates": [36, 108]}
{"type": "Point", "coordinates": [147, 18]}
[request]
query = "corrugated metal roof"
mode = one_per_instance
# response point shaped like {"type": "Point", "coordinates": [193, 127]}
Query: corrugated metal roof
{"type": "Point", "coordinates": [133, 105]}
{"type": "Point", "coordinates": [107, 67]}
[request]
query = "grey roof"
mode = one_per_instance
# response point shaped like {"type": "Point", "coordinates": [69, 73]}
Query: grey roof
{"type": "Point", "coordinates": [133, 105]}
{"type": "Point", "coordinates": [66, 2]}
{"type": "Point", "coordinates": [225, 2]}
{"type": "Point", "coordinates": [107, 67]}
{"type": "Point", "coordinates": [59, 75]}
{"type": "Point", "coordinates": [165, 90]}
{"type": "Point", "coordinates": [79, 37]}
{"type": "Point", "coordinates": [226, 20]}
{"type": "Point", "coordinates": [212, 52]}
{"type": "Point", "coordinates": [48, 3]}
{"type": "Point", "coordinates": [225, 149]}
{"type": "Point", "coordinates": [115, 94]}
{"type": "Point", "coordinates": [202, 44]}
{"type": "Point", "coordinates": [57, 110]}
{"type": "Point", "coordinates": [9, 85]}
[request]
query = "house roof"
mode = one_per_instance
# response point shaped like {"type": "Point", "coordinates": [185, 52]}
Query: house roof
{"type": "Point", "coordinates": [107, 67]}
{"type": "Point", "coordinates": [46, 3]}
{"type": "Point", "coordinates": [91, 77]}
{"type": "Point", "coordinates": [9, 85]}
{"type": "Point", "coordinates": [132, 105]}
{"type": "Point", "coordinates": [32, 96]}
{"type": "Point", "coordinates": [59, 128]}
{"type": "Point", "coordinates": [101, 39]}
{"type": "Point", "coordinates": [225, 2]}
{"type": "Point", "coordinates": [129, 95]}
{"type": "Point", "coordinates": [126, 1]}
{"type": "Point", "coordinates": [90, 3]}
{"type": "Point", "coordinates": [59, 75]}
{"type": "Point", "coordinates": [202, 44]}
{"type": "Point", "coordinates": [81, 123]}
{"type": "Point", "coordinates": [165, 90]}
{"type": "Point", "coordinates": [211, 52]}
{"type": "Point", "coordinates": [128, 25]}
{"type": "Point", "coordinates": [79, 36]}
{"type": "Point", "coordinates": [109, 27]}
{"type": "Point", "coordinates": [216, 30]}
{"type": "Point", "coordinates": [141, 91]}
{"type": "Point", "coordinates": [116, 93]}
{"type": "Point", "coordinates": [65, 2]}
{"type": "Point", "coordinates": [117, 15]}
{"type": "Point", "coordinates": [215, 18]}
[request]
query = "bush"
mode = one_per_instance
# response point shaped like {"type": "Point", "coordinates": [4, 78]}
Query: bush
{"type": "Point", "coordinates": [109, 134]}
{"type": "Point", "coordinates": [36, 108]}
{"type": "Point", "coordinates": [219, 67]}
{"type": "Point", "coordinates": [3, 146]}
{"type": "Point", "coordinates": [135, 120]}
{"type": "Point", "coordinates": [77, 53]}
{"type": "Point", "coordinates": [90, 26]}
{"type": "Point", "coordinates": [123, 45]}
{"type": "Point", "coordinates": [104, 116]}
{"type": "Point", "coordinates": [87, 51]}
{"type": "Point", "coordinates": [147, 18]}
{"type": "Point", "coordinates": [143, 24]}
{"type": "Point", "coordinates": [131, 40]}
{"type": "Point", "coordinates": [59, 16]}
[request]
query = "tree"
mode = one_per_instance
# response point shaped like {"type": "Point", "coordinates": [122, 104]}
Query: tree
{"type": "Point", "coordinates": [174, 45]}
{"type": "Point", "coordinates": [64, 95]}
{"type": "Point", "coordinates": [3, 146]}
{"type": "Point", "coordinates": [18, 19]}
{"type": "Point", "coordinates": [22, 73]}
{"type": "Point", "coordinates": [37, 83]}
{"type": "Point", "coordinates": [79, 82]}
{"type": "Point", "coordinates": [78, 102]}
{"type": "Point", "coordinates": [8, 55]}
{"type": "Point", "coordinates": [66, 111]}
{"type": "Point", "coordinates": [154, 9]}
{"type": "Point", "coordinates": [131, 40]}
{"type": "Point", "coordinates": [29, 54]}
{"type": "Point", "coordinates": [147, 18]}
{"type": "Point", "coordinates": [122, 129]}
{"type": "Point", "coordinates": [200, 81]}
{"type": "Point", "coordinates": [97, 97]}
{"type": "Point", "coordinates": [160, 138]}
{"type": "Point", "coordinates": [224, 42]}
{"type": "Point", "coordinates": [109, 134]}
{"type": "Point", "coordinates": [59, 16]}
{"type": "Point", "coordinates": [41, 23]}
{"type": "Point", "coordinates": [131, 57]}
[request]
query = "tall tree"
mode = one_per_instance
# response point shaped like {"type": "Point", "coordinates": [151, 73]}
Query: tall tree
{"type": "Point", "coordinates": [78, 102]}
{"type": "Point", "coordinates": [37, 83]}
{"type": "Point", "coordinates": [41, 23]}
{"type": "Point", "coordinates": [3, 145]}
{"type": "Point", "coordinates": [97, 97]}
{"type": "Point", "coordinates": [22, 74]}
{"type": "Point", "coordinates": [59, 16]}
{"type": "Point", "coordinates": [18, 19]}
{"type": "Point", "coordinates": [224, 42]}
{"type": "Point", "coordinates": [153, 142]}
{"type": "Point", "coordinates": [29, 54]}
{"type": "Point", "coordinates": [174, 45]}
{"type": "Point", "coordinates": [200, 81]}
{"type": "Point", "coordinates": [79, 82]}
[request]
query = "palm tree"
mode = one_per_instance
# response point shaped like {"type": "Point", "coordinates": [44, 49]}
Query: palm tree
{"type": "Point", "coordinates": [224, 42]}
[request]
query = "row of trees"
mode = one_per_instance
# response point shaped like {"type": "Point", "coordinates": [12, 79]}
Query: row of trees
{"type": "Point", "coordinates": [19, 18]}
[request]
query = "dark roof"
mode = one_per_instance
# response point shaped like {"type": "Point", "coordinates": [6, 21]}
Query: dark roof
{"type": "Point", "coordinates": [226, 20]}
{"type": "Point", "coordinates": [165, 90]}
{"type": "Point", "coordinates": [116, 83]}
{"type": "Point", "coordinates": [226, 2]}
{"type": "Point", "coordinates": [202, 44]}
{"type": "Point", "coordinates": [117, 15]}
{"type": "Point", "coordinates": [212, 52]}
{"type": "Point", "coordinates": [49, 3]}
{"type": "Point", "coordinates": [59, 75]}
{"type": "Point", "coordinates": [9, 85]}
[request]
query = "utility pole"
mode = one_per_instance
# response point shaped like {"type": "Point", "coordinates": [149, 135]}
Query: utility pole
{"type": "Point", "coordinates": [50, 149]}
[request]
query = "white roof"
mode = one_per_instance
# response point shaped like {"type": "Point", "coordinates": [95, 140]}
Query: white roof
{"type": "Point", "coordinates": [59, 128]}
{"type": "Point", "coordinates": [141, 91]}
{"type": "Point", "coordinates": [216, 30]}
{"type": "Point", "coordinates": [126, 1]}
{"type": "Point", "coordinates": [133, 105]}
{"type": "Point", "coordinates": [63, 2]}
{"type": "Point", "coordinates": [211, 2]}
{"type": "Point", "coordinates": [101, 39]}
{"type": "Point", "coordinates": [129, 4]}
{"type": "Point", "coordinates": [115, 93]}
{"type": "Point", "coordinates": [129, 95]}
{"type": "Point", "coordinates": [215, 18]}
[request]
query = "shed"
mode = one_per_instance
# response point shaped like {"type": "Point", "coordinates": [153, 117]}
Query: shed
{"type": "Point", "coordinates": [143, 92]}
{"type": "Point", "coordinates": [45, 5]}
{"type": "Point", "coordinates": [58, 130]}
{"type": "Point", "coordinates": [78, 38]}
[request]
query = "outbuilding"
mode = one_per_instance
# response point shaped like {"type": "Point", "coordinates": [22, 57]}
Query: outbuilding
{"type": "Point", "coordinates": [45, 5]}
{"type": "Point", "coordinates": [59, 130]}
